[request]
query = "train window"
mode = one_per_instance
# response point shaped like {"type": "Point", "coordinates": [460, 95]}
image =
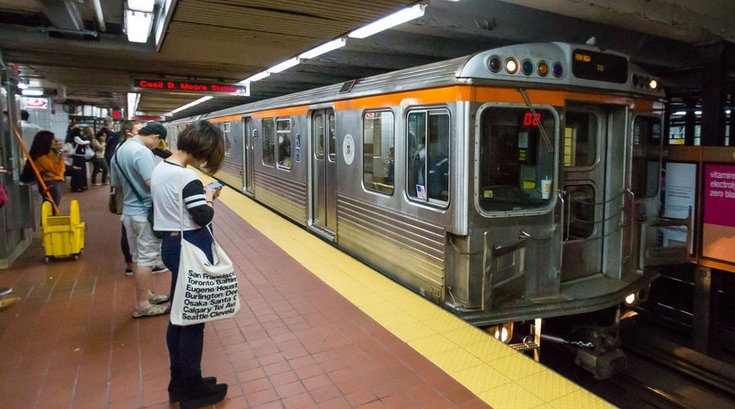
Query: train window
{"type": "Point", "coordinates": [319, 135]}
{"type": "Point", "coordinates": [580, 146]}
{"type": "Point", "coordinates": [283, 131]}
{"type": "Point", "coordinates": [228, 138]}
{"type": "Point", "coordinates": [378, 136]}
{"type": "Point", "coordinates": [332, 136]}
{"type": "Point", "coordinates": [516, 162]}
{"type": "Point", "coordinates": [269, 142]}
{"type": "Point", "coordinates": [428, 169]}
{"type": "Point", "coordinates": [646, 152]}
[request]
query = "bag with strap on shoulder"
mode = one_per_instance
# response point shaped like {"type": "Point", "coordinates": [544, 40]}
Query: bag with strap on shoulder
{"type": "Point", "coordinates": [204, 291]}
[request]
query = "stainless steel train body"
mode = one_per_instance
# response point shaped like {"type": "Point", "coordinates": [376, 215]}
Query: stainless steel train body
{"type": "Point", "coordinates": [513, 184]}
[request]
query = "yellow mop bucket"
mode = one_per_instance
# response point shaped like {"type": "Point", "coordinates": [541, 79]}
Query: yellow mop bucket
{"type": "Point", "coordinates": [63, 236]}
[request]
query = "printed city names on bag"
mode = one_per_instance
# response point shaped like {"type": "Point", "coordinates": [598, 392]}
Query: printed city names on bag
{"type": "Point", "coordinates": [209, 297]}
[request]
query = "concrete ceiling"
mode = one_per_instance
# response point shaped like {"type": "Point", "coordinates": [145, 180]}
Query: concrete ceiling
{"type": "Point", "coordinates": [229, 40]}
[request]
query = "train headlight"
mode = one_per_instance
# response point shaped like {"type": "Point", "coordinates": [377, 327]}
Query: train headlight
{"type": "Point", "coordinates": [502, 332]}
{"type": "Point", "coordinates": [511, 65]}
{"type": "Point", "coordinates": [653, 84]}
{"type": "Point", "coordinates": [630, 299]}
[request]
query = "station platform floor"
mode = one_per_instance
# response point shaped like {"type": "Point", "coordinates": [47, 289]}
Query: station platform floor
{"type": "Point", "coordinates": [317, 329]}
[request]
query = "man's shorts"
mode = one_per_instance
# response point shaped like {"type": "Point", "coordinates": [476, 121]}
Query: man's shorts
{"type": "Point", "coordinates": [145, 247]}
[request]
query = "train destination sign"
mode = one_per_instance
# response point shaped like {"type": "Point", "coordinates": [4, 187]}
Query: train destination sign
{"type": "Point", "coordinates": [190, 86]}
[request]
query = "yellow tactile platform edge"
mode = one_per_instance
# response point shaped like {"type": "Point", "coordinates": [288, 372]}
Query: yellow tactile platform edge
{"type": "Point", "coordinates": [498, 375]}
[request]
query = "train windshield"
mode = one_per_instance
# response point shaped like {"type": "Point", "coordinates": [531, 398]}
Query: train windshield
{"type": "Point", "coordinates": [516, 163]}
{"type": "Point", "coordinates": [646, 154]}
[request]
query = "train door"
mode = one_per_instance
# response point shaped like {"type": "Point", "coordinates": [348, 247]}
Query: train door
{"type": "Point", "coordinates": [323, 173]}
{"type": "Point", "coordinates": [247, 154]}
{"type": "Point", "coordinates": [591, 183]}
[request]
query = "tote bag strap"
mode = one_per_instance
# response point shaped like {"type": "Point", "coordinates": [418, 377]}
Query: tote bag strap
{"type": "Point", "coordinates": [181, 213]}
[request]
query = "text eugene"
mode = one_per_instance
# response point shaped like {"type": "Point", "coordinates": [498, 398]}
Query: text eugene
{"type": "Point", "coordinates": [188, 86]}
{"type": "Point", "coordinates": [204, 301]}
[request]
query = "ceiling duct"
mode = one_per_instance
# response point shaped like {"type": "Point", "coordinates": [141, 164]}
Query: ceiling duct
{"type": "Point", "coordinates": [63, 14]}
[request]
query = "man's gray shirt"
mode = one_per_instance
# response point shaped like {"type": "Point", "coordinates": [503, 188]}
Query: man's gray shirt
{"type": "Point", "coordinates": [137, 162]}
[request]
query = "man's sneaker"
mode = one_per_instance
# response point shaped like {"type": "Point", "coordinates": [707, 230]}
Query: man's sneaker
{"type": "Point", "coordinates": [159, 270]}
{"type": "Point", "coordinates": [129, 272]}
{"type": "Point", "coordinates": [5, 291]}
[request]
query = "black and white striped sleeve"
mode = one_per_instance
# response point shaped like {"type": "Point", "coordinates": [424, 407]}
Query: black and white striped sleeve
{"type": "Point", "coordinates": [196, 203]}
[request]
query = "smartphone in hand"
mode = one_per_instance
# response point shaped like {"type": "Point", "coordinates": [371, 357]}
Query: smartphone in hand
{"type": "Point", "coordinates": [214, 185]}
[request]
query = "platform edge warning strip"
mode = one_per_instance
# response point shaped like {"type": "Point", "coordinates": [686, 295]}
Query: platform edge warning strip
{"type": "Point", "coordinates": [501, 377]}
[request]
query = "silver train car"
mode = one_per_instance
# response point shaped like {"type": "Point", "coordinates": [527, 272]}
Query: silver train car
{"type": "Point", "coordinates": [514, 184]}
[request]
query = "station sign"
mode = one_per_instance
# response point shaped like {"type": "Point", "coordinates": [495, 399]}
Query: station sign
{"type": "Point", "coordinates": [34, 103]}
{"type": "Point", "coordinates": [195, 87]}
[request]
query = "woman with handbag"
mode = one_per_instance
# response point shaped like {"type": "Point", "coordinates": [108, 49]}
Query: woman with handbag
{"type": "Point", "coordinates": [79, 146]}
{"type": "Point", "coordinates": [183, 207]}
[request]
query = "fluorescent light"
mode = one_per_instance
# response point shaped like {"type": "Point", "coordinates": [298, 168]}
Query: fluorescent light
{"type": "Point", "coordinates": [32, 92]}
{"type": "Point", "coordinates": [191, 104]}
{"type": "Point", "coordinates": [680, 113]}
{"type": "Point", "coordinates": [324, 48]}
{"type": "Point", "coordinates": [697, 112]}
{"type": "Point", "coordinates": [141, 5]}
{"type": "Point", "coordinates": [256, 77]}
{"type": "Point", "coordinates": [392, 20]}
{"type": "Point", "coordinates": [284, 65]}
{"type": "Point", "coordinates": [138, 25]}
{"type": "Point", "coordinates": [22, 85]}
{"type": "Point", "coordinates": [133, 99]}
{"type": "Point", "coordinates": [727, 112]}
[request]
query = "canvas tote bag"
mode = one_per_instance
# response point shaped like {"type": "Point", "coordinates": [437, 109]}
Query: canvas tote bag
{"type": "Point", "coordinates": [204, 291]}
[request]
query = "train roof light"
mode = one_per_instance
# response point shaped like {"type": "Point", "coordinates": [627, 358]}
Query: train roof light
{"type": "Point", "coordinates": [494, 63]}
{"type": "Point", "coordinates": [511, 65]}
{"type": "Point", "coordinates": [543, 69]}
{"type": "Point", "coordinates": [557, 69]}
{"type": "Point", "coordinates": [653, 84]}
{"type": "Point", "coordinates": [387, 22]}
{"type": "Point", "coordinates": [630, 299]}
{"type": "Point", "coordinates": [527, 67]}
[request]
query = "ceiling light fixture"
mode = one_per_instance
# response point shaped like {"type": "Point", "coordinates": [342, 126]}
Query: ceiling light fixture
{"type": "Point", "coordinates": [133, 99]}
{"type": "Point", "coordinates": [256, 77]}
{"type": "Point", "coordinates": [191, 104]}
{"type": "Point", "coordinates": [324, 48]}
{"type": "Point", "coordinates": [138, 20]}
{"type": "Point", "coordinates": [284, 65]}
{"type": "Point", "coordinates": [32, 92]}
{"type": "Point", "coordinates": [387, 22]}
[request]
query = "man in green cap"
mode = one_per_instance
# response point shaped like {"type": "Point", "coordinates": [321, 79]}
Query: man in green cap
{"type": "Point", "coordinates": [132, 166]}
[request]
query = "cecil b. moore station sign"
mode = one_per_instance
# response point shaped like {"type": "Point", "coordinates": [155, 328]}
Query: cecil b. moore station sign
{"type": "Point", "coordinates": [195, 87]}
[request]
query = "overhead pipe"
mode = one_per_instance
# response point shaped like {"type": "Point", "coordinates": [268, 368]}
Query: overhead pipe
{"type": "Point", "coordinates": [100, 16]}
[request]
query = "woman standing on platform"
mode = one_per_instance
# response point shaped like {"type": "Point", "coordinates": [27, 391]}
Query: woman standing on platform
{"type": "Point", "coordinates": [46, 152]}
{"type": "Point", "coordinates": [200, 144]}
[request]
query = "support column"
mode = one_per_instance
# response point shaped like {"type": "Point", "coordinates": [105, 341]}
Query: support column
{"type": "Point", "coordinates": [702, 319]}
{"type": "Point", "coordinates": [713, 94]}
{"type": "Point", "coordinates": [690, 120]}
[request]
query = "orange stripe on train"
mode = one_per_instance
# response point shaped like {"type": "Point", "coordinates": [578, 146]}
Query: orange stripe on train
{"type": "Point", "coordinates": [459, 93]}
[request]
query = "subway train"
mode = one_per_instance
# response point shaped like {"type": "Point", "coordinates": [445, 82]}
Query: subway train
{"type": "Point", "coordinates": [516, 184]}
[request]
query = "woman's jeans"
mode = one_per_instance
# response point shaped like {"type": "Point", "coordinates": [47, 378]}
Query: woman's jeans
{"type": "Point", "coordinates": [185, 343]}
{"type": "Point", "coordinates": [99, 166]}
{"type": "Point", "coordinates": [55, 188]}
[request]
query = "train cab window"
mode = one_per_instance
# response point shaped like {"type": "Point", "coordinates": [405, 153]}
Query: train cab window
{"type": "Point", "coordinates": [269, 142]}
{"type": "Point", "coordinates": [378, 166]}
{"type": "Point", "coordinates": [428, 156]}
{"type": "Point", "coordinates": [283, 132]}
{"type": "Point", "coordinates": [580, 147]}
{"type": "Point", "coordinates": [516, 160]}
{"type": "Point", "coordinates": [226, 128]}
{"type": "Point", "coordinates": [646, 153]}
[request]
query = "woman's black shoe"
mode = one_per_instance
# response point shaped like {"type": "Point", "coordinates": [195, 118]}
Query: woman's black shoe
{"type": "Point", "coordinates": [203, 395]}
{"type": "Point", "coordinates": [176, 392]}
